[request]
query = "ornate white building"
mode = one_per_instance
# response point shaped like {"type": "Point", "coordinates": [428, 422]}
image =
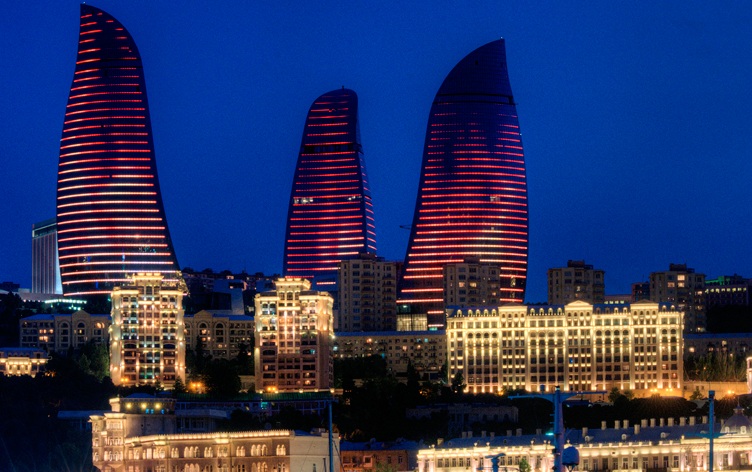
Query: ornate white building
{"type": "Point", "coordinates": [578, 346]}
{"type": "Point", "coordinates": [659, 446]}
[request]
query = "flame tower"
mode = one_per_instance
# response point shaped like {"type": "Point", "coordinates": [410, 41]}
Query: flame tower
{"type": "Point", "coordinates": [330, 217]}
{"type": "Point", "coordinates": [472, 196]}
{"type": "Point", "coordinates": [110, 217]}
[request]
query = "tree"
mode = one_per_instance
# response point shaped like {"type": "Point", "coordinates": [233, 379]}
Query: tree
{"type": "Point", "coordinates": [178, 387]}
{"type": "Point", "coordinates": [614, 394]}
{"type": "Point", "coordinates": [458, 383]}
{"type": "Point", "coordinates": [222, 380]}
{"type": "Point", "coordinates": [696, 395]}
{"type": "Point", "coordinates": [524, 465]}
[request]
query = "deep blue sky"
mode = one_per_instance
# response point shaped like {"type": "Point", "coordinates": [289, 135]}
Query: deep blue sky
{"type": "Point", "coordinates": [636, 120]}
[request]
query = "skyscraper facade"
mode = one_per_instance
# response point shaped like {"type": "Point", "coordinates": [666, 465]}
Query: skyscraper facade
{"type": "Point", "coordinates": [330, 217]}
{"type": "Point", "coordinates": [45, 270]}
{"type": "Point", "coordinates": [472, 196]}
{"type": "Point", "coordinates": [110, 217]}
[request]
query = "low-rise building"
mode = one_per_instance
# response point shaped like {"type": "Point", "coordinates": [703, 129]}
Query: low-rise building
{"type": "Point", "coordinates": [61, 332]}
{"type": "Point", "coordinates": [22, 361]}
{"type": "Point", "coordinates": [221, 335]}
{"type": "Point", "coordinates": [665, 445]}
{"type": "Point", "coordinates": [425, 350]}
{"type": "Point", "coordinates": [397, 456]}
{"type": "Point", "coordinates": [142, 433]}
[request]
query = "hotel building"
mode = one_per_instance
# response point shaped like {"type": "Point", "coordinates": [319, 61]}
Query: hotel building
{"type": "Point", "coordinates": [578, 346]}
{"type": "Point", "coordinates": [147, 335]}
{"type": "Point", "coordinates": [293, 342]}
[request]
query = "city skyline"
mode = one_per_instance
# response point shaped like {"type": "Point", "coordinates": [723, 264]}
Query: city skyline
{"type": "Point", "coordinates": [635, 123]}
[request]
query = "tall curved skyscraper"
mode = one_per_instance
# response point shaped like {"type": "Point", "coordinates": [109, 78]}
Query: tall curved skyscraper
{"type": "Point", "coordinates": [110, 217]}
{"type": "Point", "coordinates": [330, 217]}
{"type": "Point", "coordinates": [472, 198]}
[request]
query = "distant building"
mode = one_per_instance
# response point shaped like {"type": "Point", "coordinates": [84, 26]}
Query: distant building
{"type": "Point", "coordinates": [293, 341]}
{"type": "Point", "coordinates": [578, 346]}
{"type": "Point", "coordinates": [640, 291]}
{"type": "Point", "coordinates": [472, 283]}
{"type": "Point", "coordinates": [727, 290]}
{"type": "Point", "coordinates": [15, 361]}
{"type": "Point", "coordinates": [367, 291]}
{"type": "Point", "coordinates": [683, 287]}
{"type": "Point", "coordinates": [576, 281]}
{"type": "Point", "coordinates": [398, 456]}
{"type": "Point", "coordinates": [462, 416]}
{"type": "Point", "coordinates": [60, 332]}
{"type": "Point", "coordinates": [221, 335]}
{"type": "Point", "coordinates": [424, 350]}
{"type": "Point", "coordinates": [45, 268]}
{"type": "Point", "coordinates": [617, 299]}
{"type": "Point", "coordinates": [146, 433]}
{"type": "Point", "coordinates": [702, 344]}
{"type": "Point", "coordinates": [147, 342]}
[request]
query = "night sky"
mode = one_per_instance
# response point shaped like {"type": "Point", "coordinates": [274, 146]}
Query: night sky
{"type": "Point", "coordinates": [636, 120]}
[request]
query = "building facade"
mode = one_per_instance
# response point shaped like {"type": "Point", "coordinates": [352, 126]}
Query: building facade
{"type": "Point", "coordinates": [397, 456]}
{"type": "Point", "coordinates": [576, 346]}
{"type": "Point", "coordinates": [220, 335]}
{"type": "Point", "coordinates": [367, 292]}
{"type": "Point", "coordinates": [576, 281]}
{"type": "Point", "coordinates": [147, 335]}
{"type": "Point", "coordinates": [15, 361]}
{"type": "Point", "coordinates": [142, 434]}
{"type": "Point", "coordinates": [293, 341]}
{"type": "Point", "coordinates": [471, 283]}
{"type": "Point", "coordinates": [424, 350]}
{"type": "Point", "coordinates": [330, 217]}
{"type": "Point", "coordinates": [45, 269]}
{"type": "Point", "coordinates": [660, 445]}
{"type": "Point", "coordinates": [683, 287]}
{"type": "Point", "coordinates": [110, 217]}
{"type": "Point", "coordinates": [472, 195]}
{"type": "Point", "coordinates": [727, 290]}
{"type": "Point", "coordinates": [60, 332]}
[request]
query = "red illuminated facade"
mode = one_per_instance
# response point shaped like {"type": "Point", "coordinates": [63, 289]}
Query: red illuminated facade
{"type": "Point", "coordinates": [330, 217]}
{"type": "Point", "coordinates": [472, 198]}
{"type": "Point", "coordinates": [110, 217]}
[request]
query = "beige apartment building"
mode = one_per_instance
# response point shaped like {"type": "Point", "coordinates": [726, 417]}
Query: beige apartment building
{"type": "Point", "coordinates": [576, 281]}
{"type": "Point", "coordinates": [293, 342]}
{"type": "Point", "coordinates": [367, 294]}
{"type": "Point", "coordinates": [60, 332]}
{"type": "Point", "coordinates": [684, 288]}
{"type": "Point", "coordinates": [472, 283]}
{"type": "Point", "coordinates": [147, 340]}
{"type": "Point", "coordinates": [220, 334]}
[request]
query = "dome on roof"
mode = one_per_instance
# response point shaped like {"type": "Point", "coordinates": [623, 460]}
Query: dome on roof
{"type": "Point", "coordinates": [738, 423]}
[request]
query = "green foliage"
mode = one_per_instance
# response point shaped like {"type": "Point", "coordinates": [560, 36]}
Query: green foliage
{"type": "Point", "coordinates": [716, 367]}
{"type": "Point", "coordinates": [614, 394]}
{"type": "Point", "coordinates": [696, 395]}
{"type": "Point", "coordinates": [178, 387]}
{"type": "Point", "coordinates": [346, 371]}
{"type": "Point", "coordinates": [384, 467]}
{"type": "Point", "coordinates": [221, 379]}
{"type": "Point", "coordinates": [524, 465]}
{"type": "Point", "coordinates": [458, 383]}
